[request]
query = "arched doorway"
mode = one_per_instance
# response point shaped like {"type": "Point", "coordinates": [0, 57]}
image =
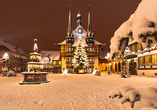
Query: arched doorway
{"type": "Point", "coordinates": [123, 63]}
{"type": "Point", "coordinates": [115, 66]}
{"type": "Point", "coordinates": [132, 67]}
{"type": "Point", "coordinates": [119, 66]}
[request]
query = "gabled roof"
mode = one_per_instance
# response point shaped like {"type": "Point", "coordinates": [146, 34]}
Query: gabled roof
{"type": "Point", "coordinates": [78, 27]}
{"type": "Point", "coordinates": [97, 43]}
{"type": "Point", "coordinates": [13, 48]}
{"type": "Point", "coordinates": [53, 55]}
{"type": "Point", "coordinates": [62, 43]}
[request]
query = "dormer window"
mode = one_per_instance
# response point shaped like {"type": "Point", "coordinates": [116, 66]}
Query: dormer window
{"type": "Point", "coordinates": [69, 39]}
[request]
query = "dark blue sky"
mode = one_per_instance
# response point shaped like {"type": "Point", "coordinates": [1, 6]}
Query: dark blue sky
{"type": "Point", "coordinates": [47, 20]}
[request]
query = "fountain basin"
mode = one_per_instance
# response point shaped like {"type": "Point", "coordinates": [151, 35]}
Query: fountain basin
{"type": "Point", "coordinates": [34, 78]}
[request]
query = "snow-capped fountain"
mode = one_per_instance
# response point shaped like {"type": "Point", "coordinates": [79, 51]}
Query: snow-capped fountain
{"type": "Point", "coordinates": [34, 76]}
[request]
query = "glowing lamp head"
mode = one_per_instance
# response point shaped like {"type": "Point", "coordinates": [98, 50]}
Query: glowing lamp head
{"type": "Point", "coordinates": [5, 56]}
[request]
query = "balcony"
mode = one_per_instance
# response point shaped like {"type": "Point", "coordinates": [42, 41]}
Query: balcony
{"type": "Point", "coordinates": [91, 62]}
{"type": "Point", "coordinates": [68, 61]}
{"type": "Point", "coordinates": [69, 51]}
{"type": "Point", "coordinates": [90, 51]}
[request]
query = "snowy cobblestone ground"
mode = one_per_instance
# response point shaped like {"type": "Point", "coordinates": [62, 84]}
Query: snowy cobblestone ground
{"type": "Point", "coordinates": [74, 92]}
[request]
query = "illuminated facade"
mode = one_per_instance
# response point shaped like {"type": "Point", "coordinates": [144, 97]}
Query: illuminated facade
{"type": "Point", "coordinates": [68, 46]}
{"type": "Point", "coordinates": [140, 60]}
{"type": "Point", "coordinates": [51, 61]}
{"type": "Point", "coordinates": [17, 57]}
{"type": "Point", "coordinates": [47, 61]}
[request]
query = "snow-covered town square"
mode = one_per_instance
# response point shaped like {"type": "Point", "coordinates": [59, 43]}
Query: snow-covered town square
{"type": "Point", "coordinates": [74, 92]}
{"type": "Point", "coordinates": [78, 55]}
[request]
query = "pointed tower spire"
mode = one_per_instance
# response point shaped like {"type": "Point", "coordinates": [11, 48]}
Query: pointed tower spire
{"type": "Point", "coordinates": [89, 27]}
{"type": "Point", "coordinates": [69, 23]}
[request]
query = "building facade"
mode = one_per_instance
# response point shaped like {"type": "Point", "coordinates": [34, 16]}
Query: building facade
{"type": "Point", "coordinates": [17, 57]}
{"type": "Point", "coordinates": [140, 60]}
{"type": "Point", "coordinates": [68, 46]}
{"type": "Point", "coordinates": [51, 61]}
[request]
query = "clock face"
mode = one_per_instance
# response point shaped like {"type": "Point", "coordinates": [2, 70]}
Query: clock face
{"type": "Point", "coordinates": [80, 31]}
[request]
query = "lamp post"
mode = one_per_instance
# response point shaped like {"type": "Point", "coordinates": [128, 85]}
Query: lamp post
{"type": "Point", "coordinates": [126, 52]}
{"type": "Point", "coordinates": [108, 58]}
{"type": "Point", "coordinates": [6, 57]}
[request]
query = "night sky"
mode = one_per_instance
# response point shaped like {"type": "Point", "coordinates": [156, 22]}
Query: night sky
{"type": "Point", "coordinates": [47, 20]}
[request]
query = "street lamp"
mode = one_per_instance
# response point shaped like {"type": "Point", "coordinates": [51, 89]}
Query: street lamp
{"type": "Point", "coordinates": [6, 57]}
{"type": "Point", "coordinates": [108, 58]}
{"type": "Point", "coordinates": [125, 71]}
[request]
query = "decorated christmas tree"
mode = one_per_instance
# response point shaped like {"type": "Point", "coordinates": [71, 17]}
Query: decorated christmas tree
{"type": "Point", "coordinates": [80, 57]}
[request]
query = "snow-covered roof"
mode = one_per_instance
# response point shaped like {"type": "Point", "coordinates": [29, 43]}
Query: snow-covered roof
{"type": "Point", "coordinates": [131, 42]}
{"type": "Point", "coordinates": [97, 43]}
{"type": "Point", "coordinates": [81, 36]}
{"type": "Point", "coordinates": [37, 63]}
{"type": "Point", "coordinates": [80, 27]}
{"type": "Point", "coordinates": [13, 48]}
{"type": "Point", "coordinates": [143, 20]}
{"type": "Point", "coordinates": [35, 53]}
{"type": "Point", "coordinates": [52, 55]}
{"type": "Point", "coordinates": [62, 43]}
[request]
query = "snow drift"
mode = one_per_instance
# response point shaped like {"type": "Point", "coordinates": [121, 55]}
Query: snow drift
{"type": "Point", "coordinates": [143, 20]}
{"type": "Point", "coordinates": [139, 98]}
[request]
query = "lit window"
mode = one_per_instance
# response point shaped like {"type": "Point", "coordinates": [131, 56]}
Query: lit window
{"type": "Point", "coordinates": [138, 46]}
{"type": "Point", "coordinates": [147, 59]}
{"type": "Point", "coordinates": [133, 48]}
{"type": "Point", "coordinates": [154, 59]}
{"type": "Point", "coordinates": [141, 60]}
{"type": "Point", "coordinates": [152, 44]}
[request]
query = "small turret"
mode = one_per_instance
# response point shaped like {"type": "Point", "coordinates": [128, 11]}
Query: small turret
{"type": "Point", "coordinates": [79, 17]}
{"type": "Point", "coordinates": [35, 45]}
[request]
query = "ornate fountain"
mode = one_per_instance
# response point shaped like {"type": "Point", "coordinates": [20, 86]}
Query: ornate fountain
{"type": "Point", "coordinates": [34, 75]}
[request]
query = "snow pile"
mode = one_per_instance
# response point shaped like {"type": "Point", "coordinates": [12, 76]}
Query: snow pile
{"type": "Point", "coordinates": [65, 72]}
{"type": "Point", "coordinates": [143, 20]}
{"type": "Point", "coordinates": [139, 98]}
